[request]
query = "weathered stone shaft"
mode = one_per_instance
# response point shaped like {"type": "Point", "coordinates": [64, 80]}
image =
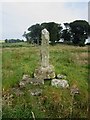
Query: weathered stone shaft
{"type": "Point", "coordinates": [45, 71]}
{"type": "Point", "coordinates": [45, 48]}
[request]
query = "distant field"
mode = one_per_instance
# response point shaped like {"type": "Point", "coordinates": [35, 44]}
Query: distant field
{"type": "Point", "coordinates": [2, 41]}
{"type": "Point", "coordinates": [19, 44]}
{"type": "Point", "coordinates": [71, 61]}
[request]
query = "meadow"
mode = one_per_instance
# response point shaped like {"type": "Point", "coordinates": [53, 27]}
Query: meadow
{"type": "Point", "coordinates": [23, 58]}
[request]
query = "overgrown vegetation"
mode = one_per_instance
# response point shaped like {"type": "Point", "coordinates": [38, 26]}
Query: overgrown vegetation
{"type": "Point", "coordinates": [71, 61]}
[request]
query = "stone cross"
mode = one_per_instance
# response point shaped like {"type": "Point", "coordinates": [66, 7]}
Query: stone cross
{"type": "Point", "coordinates": [45, 48]}
{"type": "Point", "coordinates": [45, 71]}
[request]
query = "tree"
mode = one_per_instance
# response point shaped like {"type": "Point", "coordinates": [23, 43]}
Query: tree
{"type": "Point", "coordinates": [77, 32]}
{"type": "Point", "coordinates": [67, 25]}
{"type": "Point", "coordinates": [66, 33]}
{"type": "Point", "coordinates": [35, 33]}
{"type": "Point", "coordinates": [6, 40]}
{"type": "Point", "coordinates": [80, 30]}
{"type": "Point", "coordinates": [27, 36]}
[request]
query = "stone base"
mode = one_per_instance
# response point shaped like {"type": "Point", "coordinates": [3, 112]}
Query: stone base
{"type": "Point", "coordinates": [27, 80]}
{"type": "Point", "coordinates": [45, 72]}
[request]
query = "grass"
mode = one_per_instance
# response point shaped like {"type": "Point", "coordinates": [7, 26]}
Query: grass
{"type": "Point", "coordinates": [19, 44]}
{"type": "Point", "coordinates": [71, 61]}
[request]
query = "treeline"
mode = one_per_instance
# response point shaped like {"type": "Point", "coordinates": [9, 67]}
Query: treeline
{"type": "Point", "coordinates": [13, 40]}
{"type": "Point", "coordinates": [72, 33]}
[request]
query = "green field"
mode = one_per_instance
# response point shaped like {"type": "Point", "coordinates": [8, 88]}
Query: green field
{"type": "Point", "coordinates": [68, 60]}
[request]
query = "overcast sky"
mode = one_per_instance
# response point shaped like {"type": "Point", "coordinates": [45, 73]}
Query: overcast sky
{"type": "Point", "coordinates": [16, 17]}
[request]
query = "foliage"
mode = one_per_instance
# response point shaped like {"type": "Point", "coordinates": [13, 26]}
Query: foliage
{"type": "Point", "coordinates": [34, 34]}
{"type": "Point", "coordinates": [76, 32]}
{"type": "Point", "coordinates": [66, 35]}
{"type": "Point", "coordinates": [80, 31]}
{"type": "Point", "coordinates": [13, 40]}
{"type": "Point", "coordinates": [27, 36]}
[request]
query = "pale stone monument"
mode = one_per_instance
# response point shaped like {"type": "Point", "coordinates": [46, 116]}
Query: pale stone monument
{"type": "Point", "coordinates": [45, 71]}
{"type": "Point", "coordinates": [45, 48]}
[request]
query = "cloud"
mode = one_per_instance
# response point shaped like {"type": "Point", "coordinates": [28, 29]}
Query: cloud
{"type": "Point", "coordinates": [17, 17]}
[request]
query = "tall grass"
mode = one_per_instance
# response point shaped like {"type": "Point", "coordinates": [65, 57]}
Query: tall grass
{"type": "Point", "coordinates": [71, 61]}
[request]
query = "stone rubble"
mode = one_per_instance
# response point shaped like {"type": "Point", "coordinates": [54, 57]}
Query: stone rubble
{"type": "Point", "coordinates": [36, 92]}
{"type": "Point", "coordinates": [59, 76]}
{"type": "Point", "coordinates": [59, 83]}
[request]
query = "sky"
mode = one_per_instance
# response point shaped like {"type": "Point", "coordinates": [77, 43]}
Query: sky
{"type": "Point", "coordinates": [16, 17]}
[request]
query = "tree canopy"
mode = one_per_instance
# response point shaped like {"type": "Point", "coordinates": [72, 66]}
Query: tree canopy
{"type": "Point", "coordinates": [76, 32]}
{"type": "Point", "coordinates": [80, 31]}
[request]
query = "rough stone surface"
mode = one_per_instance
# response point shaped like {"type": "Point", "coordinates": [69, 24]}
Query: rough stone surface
{"type": "Point", "coordinates": [45, 72]}
{"type": "Point", "coordinates": [22, 84]}
{"type": "Point", "coordinates": [60, 83]}
{"type": "Point", "coordinates": [74, 90]}
{"type": "Point", "coordinates": [59, 76]}
{"type": "Point", "coordinates": [27, 80]}
{"type": "Point", "coordinates": [36, 92]}
{"type": "Point", "coordinates": [35, 81]}
{"type": "Point", "coordinates": [44, 48]}
{"type": "Point", "coordinates": [18, 91]}
{"type": "Point", "coordinates": [25, 77]}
